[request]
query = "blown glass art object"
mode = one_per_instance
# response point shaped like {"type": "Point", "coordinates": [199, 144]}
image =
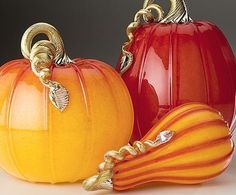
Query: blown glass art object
{"type": "Point", "coordinates": [190, 145]}
{"type": "Point", "coordinates": [55, 112]}
{"type": "Point", "coordinates": [170, 60]}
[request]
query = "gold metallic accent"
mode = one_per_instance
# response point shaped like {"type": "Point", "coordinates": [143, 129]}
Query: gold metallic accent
{"type": "Point", "coordinates": [43, 55]}
{"type": "Point", "coordinates": [145, 14]}
{"type": "Point", "coordinates": [178, 13]}
{"type": "Point", "coordinates": [103, 179]}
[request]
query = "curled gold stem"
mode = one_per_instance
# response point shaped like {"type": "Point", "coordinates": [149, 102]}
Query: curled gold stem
{"type": "Point", "coordinates": [145, 14]}
{"type": "Point", "coordinates": [103, 179]}
{"type": "Point", "coordinates": [42, 55]}
{"type": "Point", "coordinates": [178, 13]}
{"type": "Point", "coordinates": [147, 3]}
{"type": "Point", "coordinates": [41, 28]}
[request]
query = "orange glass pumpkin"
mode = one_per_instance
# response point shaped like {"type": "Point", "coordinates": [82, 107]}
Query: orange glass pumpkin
{"type": "Point", "coordinates": [38, 143]}
{"type": "Point", "coordinates": [176, 61]}
{"type": "Point", "coordinates": [196, 148]}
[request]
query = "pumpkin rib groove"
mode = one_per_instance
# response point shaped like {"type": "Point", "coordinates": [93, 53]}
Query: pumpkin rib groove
{"type": "Point", "coordinates": [218, 41]}
{"type": "Point", "coordinates": [45, 106]}
{"type": "Point", "coordinates": [188, 129]}
{"type": "Point", "coordinates": [86, 100]}
{"type": "Point", "coordinates": [92, 63]}
{"type": "Point", "coordinates": [179, 167]}
{"type": "Point", "coordinates": [167, 179]}
{"type": "Point", "coordinates": [85, 93]}
{"type": "Point", "coordinates": [8, 66]}
{"type": "Point", "coordinates": [77, 61]}
{"type": "Point", "coordinates": [198, 72]}
{"type": "Point", "coordinates": [50, 144]}
{"type": "Point", "coordinates": [174, 154]}
{"type": "Point", "coordinates": [200, 45]}
{"type": "Point", "coordinates": [178, 117]}
{"type": "Point", "coordinates": [223, 56]}
{"type": "Point", "coordinates": [175, 63]}
{"type": "Point", "coordinates": [195, 104]}
{"type": "Point", "coordinates": [46, 140]}
{"type": "Point", "coordinates": [223, 53]}
{"type": "Point", "coordinates": [141, 76]}
{"type": "Point", "coordinates": [110, 89]}
{"type": "Point", "coordinates": [11, 147]}
{"type": "Point", "coordinates": [47, 115]}
{"type": "Point", "coordinates": [228, 67]}
{"type": "Point", "coordinates": [142, 68]}
{"type": "Point", "coordinates": [125, 89]}
{"type": "Point", "coordinates": [170, 68]}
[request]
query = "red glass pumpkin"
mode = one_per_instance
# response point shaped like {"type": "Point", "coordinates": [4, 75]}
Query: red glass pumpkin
{"type": "Point", "coordinates": [179, 62]}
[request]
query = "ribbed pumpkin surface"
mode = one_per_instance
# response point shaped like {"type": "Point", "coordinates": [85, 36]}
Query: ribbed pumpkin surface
{"type": "Point", "coordinates": [176, 64]}
{"type": "Point", "coordinates": [200, 150]}
{"type": "Point", "coordinates": [40, 144]}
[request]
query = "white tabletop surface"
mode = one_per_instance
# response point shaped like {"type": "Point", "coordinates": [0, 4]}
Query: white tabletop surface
{"type": "Point", "coordinates": [224, 184]}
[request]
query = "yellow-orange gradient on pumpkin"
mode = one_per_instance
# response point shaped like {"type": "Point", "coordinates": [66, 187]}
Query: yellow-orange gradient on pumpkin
{"type": "Point", "coordinates": [200, 150]}
{"type": "Point", "coordinates": [40, 144]}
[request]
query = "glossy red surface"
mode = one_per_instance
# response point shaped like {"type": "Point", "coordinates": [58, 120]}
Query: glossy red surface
{"type": "Point", "coordinates": [176, 64]}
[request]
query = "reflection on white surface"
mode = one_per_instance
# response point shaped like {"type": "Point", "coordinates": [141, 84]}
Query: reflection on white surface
{"type": "Point", "coordinates": [224, 184]}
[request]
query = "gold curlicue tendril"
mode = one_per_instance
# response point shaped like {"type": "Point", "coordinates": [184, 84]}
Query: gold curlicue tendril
{"type": "Point", "coordinates": [103, 179]}
{"type": "Point", "coordinates": [146, 15]}
{"type": "Point", "coordinates": [178, 13]}
{"type": "Point", "coordinates": [42, 55]}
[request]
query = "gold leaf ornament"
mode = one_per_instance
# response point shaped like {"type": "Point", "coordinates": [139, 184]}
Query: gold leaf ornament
{"type": "Point", "coordinates": [59, 96]}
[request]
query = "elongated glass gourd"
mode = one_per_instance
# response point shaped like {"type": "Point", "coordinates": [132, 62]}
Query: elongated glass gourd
{"type": "Point", "coordinates": [190, 145]}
